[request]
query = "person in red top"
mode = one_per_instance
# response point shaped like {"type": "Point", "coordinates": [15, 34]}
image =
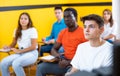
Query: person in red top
{"type": "Point", "coordinates": [69, 38]}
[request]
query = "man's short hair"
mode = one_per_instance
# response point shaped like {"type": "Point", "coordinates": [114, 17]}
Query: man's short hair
{"type": "Point", "coordinates": [74, 11]}
{"type": "Point", "coordinates": [94, 17]}
{"type": "Point", "coordinates": [58, 8]}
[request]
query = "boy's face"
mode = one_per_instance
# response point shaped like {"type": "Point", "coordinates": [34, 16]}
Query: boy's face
{"type": "Point", "coordinates": [92, 30]}
{"type": "Point", "coordinates": [69, 18]}
{"type": "Point", "coordinates": [58, 14]}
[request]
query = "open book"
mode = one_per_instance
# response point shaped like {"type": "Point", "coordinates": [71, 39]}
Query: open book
{"type": "Point", "coordinates": [4, 50]}
{"type": "Point", "coordinates": [48, 58]}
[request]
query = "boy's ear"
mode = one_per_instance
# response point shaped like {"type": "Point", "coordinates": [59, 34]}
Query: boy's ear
{"type": "Point", "coordinates": [102, 29]}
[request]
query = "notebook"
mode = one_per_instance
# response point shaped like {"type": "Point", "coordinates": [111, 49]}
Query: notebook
{"type": "Point", "coordinates": [4, 50]}
{"type": "Point", "coordinates": [48, 58]}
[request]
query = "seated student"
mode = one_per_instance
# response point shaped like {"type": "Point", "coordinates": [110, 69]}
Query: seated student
{"type": "Point", "coordinates": [26, 37]}
{"type": "Point", "coordinates": [69, 38]}
{"type": "Point", "coordinates": [94, 53]}
{"type": "Point", "coordinates": [56, 28]}
{"type": "Point", "coordinates": [109, 33]}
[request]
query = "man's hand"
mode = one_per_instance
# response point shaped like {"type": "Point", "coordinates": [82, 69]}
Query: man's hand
{"type": "Point", "coordinates": [43, 40]}
{"type": "Point", "coordinates": [64, 63]}
{"type": "Point", "coordinates": [52, 41]}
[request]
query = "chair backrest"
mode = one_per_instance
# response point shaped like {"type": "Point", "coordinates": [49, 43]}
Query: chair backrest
{"type": "Point", "coordinates": [116, 59]}
{"type": "Point", "coordinates": [39, 46]}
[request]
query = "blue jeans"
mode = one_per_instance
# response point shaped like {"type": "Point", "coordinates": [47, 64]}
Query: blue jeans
{"type": "Point", "coordinates": [50, 68]}
{"type": "Point", "coordinates": [18, 61]}
{"type": "Point", "coordinates": [47, 49]}
{"type": "Point", "coordinates": [110, 41]}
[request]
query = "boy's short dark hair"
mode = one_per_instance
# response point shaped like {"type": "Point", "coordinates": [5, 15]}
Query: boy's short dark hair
{"type": "Point", "coordinates": [94, 17]}
{"type": "Point", "coordinates": [74, 11]}
{"type": "Point", "coordinates": [58, 7]}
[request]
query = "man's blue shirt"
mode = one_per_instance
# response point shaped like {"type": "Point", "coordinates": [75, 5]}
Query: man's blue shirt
{"type": "Point", "coordinates": [56, 28]}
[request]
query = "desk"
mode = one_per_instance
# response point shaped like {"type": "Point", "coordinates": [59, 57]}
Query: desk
{"type": "Point", "coordinates": [5, 51]}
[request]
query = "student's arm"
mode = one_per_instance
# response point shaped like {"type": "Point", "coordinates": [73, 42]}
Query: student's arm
{"type": "Point", "coordinates": [73, 70]}
{"type": "Point", "coordinates": [51, 35]}
{"type": "Point", "coordinates": [52, 41]}
{"type": "Point", "coordinates": [55, 49]}
{"type": "Point", "coordinates": [32, 47]}
{"type": "Point", "coordinates": [56, 46]}
{"type": "Point", "coordinates": [62, 61]}
{"type": "Point", "coordinates": [109, 37]}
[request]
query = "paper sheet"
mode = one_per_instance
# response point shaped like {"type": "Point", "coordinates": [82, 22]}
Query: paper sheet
{"type": "Point", "coordinates": [49, 57]}
{"type": "Point", "coordinates": [4, 50]}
